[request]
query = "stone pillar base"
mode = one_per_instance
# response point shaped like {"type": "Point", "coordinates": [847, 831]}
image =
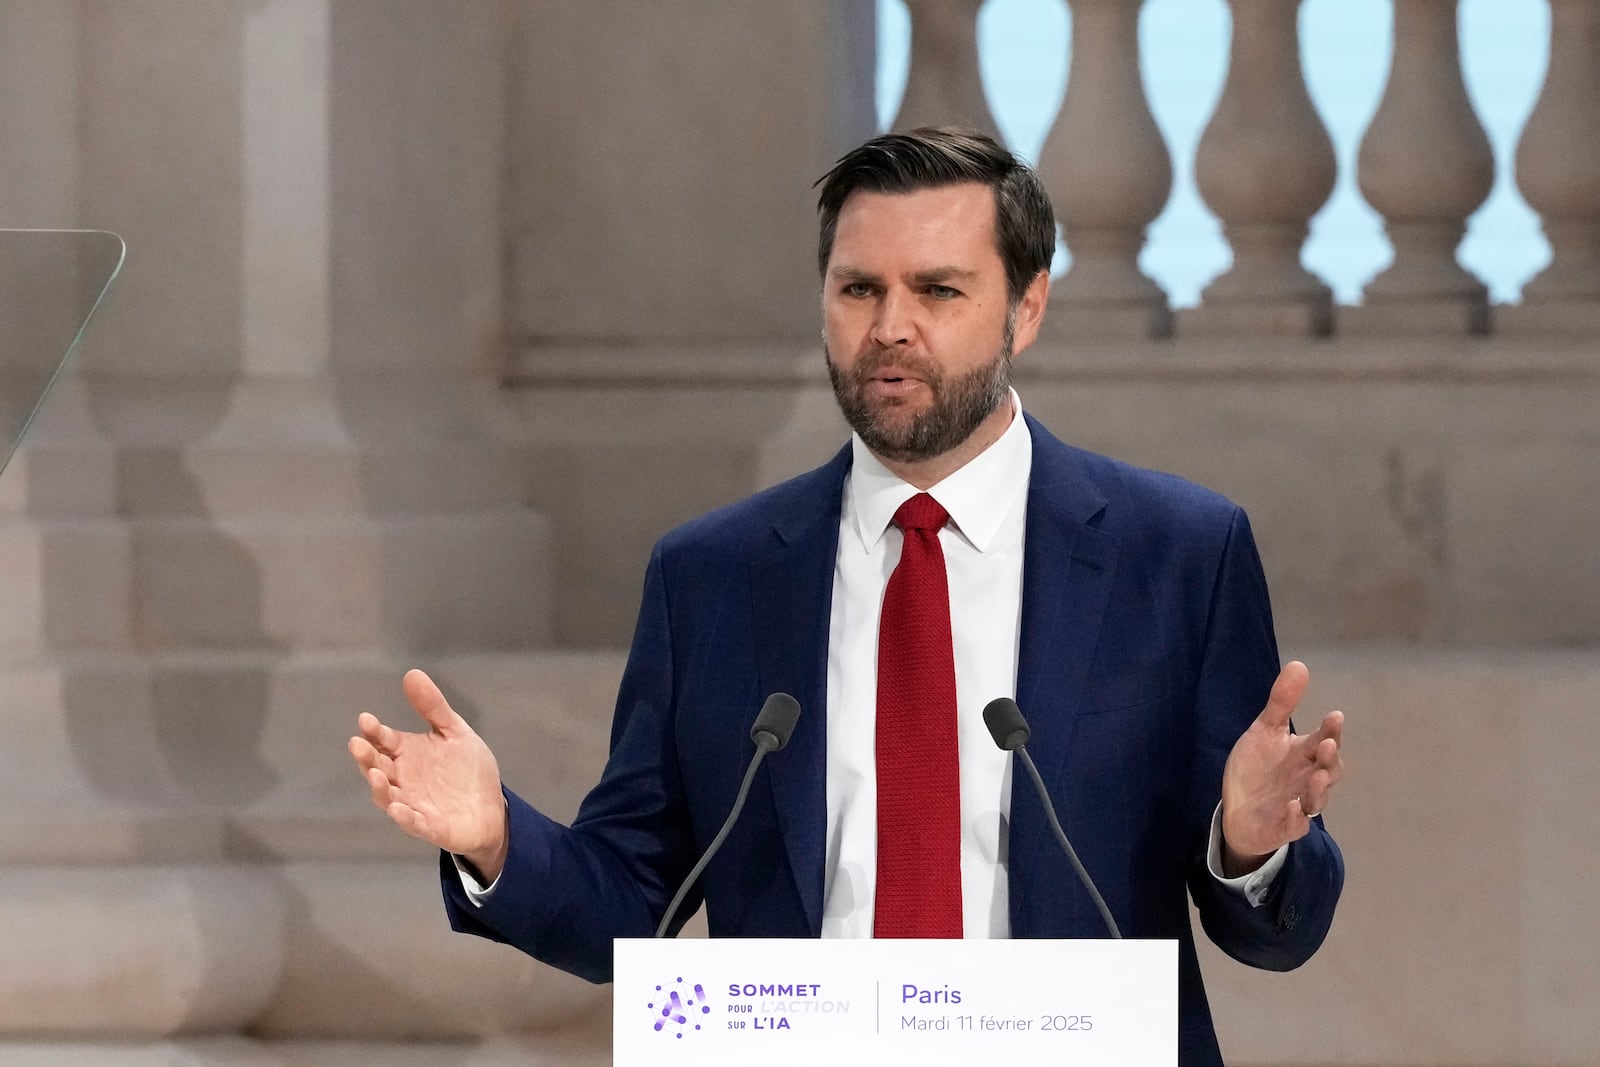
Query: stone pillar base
{"type": "Point", "coordinates": [1312, 318]}
{"type": "Point", "coordinates": [1421, 318]}
{"type": "Point", "coordinates": [1567, 317]}
{"type": "Point", "coordinates": [1113, 323]}
{"type": "Point", "coordinates": [204, 859]}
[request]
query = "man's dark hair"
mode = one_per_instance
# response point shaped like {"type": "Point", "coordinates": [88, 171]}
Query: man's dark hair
{"type": "Point", "coordinates": [936, 156]}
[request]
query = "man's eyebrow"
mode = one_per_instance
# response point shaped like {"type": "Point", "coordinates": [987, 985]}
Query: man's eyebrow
{"type": "Point", "coordinates": [933, 275]}
{"type": "Point", "coordinates": [944, 274]}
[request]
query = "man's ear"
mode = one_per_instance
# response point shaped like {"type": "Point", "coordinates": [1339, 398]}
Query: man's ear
{"type": "Point", "coordinates": [1030, 311]}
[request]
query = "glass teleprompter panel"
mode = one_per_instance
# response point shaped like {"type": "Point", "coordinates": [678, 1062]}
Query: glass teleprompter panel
{"type": "Point", "coordinates": [51, 281]}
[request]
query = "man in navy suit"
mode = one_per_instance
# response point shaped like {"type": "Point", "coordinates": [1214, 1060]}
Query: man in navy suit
{"type": "Point", "coordinates": [1125, 610]}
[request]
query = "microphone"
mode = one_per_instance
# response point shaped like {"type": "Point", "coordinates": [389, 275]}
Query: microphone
{"type": "Point", "coordinates": [1010, 732]}
{"type": "Point", "coordinates": [770, 732]}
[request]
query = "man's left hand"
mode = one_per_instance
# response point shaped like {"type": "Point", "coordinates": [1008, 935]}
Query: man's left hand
{"type": "Point", "coordinates": [1275, 781]}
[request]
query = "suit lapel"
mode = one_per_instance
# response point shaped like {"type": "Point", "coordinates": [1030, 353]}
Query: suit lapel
{"type": "Point", "coordinates": [1067, 572]}
{"type": "Point", "coordinates": [792, 593]}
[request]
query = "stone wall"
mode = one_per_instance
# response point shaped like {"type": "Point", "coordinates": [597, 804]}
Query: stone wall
{"type": "Point", "coordinates": [1413, 491]}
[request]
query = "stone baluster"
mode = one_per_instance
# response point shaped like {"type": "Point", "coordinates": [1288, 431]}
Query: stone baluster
{"type": "Point", "coordinates": [1265, 164]}
{"type": "Point", "coordinates": [944, 84]}
{"type": "Point", "coordinates": [1108, 174]}
{"type": "Point", "coordinates": [1558, 171]}
{"type": "Point", "coordinates": [1425, 164]}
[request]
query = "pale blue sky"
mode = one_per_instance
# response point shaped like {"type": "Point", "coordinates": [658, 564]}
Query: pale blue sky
{"type": "Point", "coordinates": [1345, 48]}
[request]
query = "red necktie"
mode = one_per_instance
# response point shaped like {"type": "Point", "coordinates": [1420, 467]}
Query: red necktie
{"type": "Point", "coordinates": [919, 777]}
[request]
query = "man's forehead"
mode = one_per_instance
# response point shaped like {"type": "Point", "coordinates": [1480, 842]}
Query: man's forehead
{"type": "Point", "coordinates": [969, 198]}
{"type": "Point", "coordinates": [947, 216]}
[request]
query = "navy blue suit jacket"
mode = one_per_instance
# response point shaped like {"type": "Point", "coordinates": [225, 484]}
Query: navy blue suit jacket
{"type": "Point", "coordinates": [1146, 650]}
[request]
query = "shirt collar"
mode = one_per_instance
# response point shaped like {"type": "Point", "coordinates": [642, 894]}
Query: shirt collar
{"type": "Point", "coordinates": [978, 496]}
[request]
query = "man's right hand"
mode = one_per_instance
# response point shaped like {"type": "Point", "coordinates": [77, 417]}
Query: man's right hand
{"type": "Point", "coordinates": [442, 786]}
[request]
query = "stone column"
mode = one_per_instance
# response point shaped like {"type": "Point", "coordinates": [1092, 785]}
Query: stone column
{"type": "Point", "coordinates": [294, 370]}
{"type": "Point", "coordinates": [1558, 171]}
{"type": "Point", "coordinates": [1265, 165]}
{"type": "Point", "coordinates": [660, 166]}
{"type": "Point", "coordinates": [1108, 173]}
{"type": "Point", "coordinates": [664, 231]}
{"type": "Point", "coordinates": [945, 83]}
{"type": "Point", "coordinates": [1425, 165]}
{"type": "Point", "coordinates": [268, 488]}
{"type": "Point", "coordinates": [77, 843]}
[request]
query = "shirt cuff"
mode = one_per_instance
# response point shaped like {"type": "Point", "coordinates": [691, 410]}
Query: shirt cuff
{"type": "Point", "coordinates": [476, 891]}
{"type": "Point", "coordinates": [1253, 886]}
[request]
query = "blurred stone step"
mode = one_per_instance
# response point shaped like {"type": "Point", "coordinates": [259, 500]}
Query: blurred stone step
{"type": "Point", "coordinates": [276, 479]}
{"type": "Point", "coordinates": [473, 580]}
{"type": "Point", "coordinates": [182, 757]}
{"type": "Point", "coordinates": [59, 479]}
{"type": "Point", "coordinates": [62, 466]}
{"type": "Point", "coordinates": [68, 584]}
{"type": "Point", "coordinates": [306, 950]}
{"type": "Point", "coordinates": [459, 581]}
{"type": "Point", "coordinates": [567, 1048]}
{"type": "Point", "coordinates": [476, 580]}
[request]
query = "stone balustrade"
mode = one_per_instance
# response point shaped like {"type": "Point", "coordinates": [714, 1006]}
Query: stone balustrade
{"type": "Point", "coordinates": [1265, 165]}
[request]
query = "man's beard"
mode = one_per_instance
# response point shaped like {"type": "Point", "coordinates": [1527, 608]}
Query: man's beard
{"type": "Point", "coordinates": [959, 405]}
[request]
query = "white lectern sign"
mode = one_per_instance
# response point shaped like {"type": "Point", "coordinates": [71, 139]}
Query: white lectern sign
{"type": "Point", "coordinates": [928, 1003]}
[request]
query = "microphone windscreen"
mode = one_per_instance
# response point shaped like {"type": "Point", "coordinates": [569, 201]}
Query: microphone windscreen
{"type": "Point", "coordinates": [1006, 724]}
{"type": "Point", "coordinates": [777, 719]}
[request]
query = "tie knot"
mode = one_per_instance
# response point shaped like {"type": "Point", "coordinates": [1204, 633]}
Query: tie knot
{"type": "Point", "coordinates": [921, 512]}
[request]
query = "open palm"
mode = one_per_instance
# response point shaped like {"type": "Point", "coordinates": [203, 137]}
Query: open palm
{"type": "Point", "coordinates": [442, 786]}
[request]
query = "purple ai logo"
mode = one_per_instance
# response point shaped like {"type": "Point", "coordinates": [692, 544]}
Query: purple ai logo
{"type": "Point", "coordinates": [677, 1007]}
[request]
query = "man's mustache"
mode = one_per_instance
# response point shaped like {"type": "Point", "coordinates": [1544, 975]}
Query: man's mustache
{"type": "Point", "coordinates": [870, 364]}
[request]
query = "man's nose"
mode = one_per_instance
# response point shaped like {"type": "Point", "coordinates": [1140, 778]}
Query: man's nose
{"type": "Point", "coordinates": [895, 322]}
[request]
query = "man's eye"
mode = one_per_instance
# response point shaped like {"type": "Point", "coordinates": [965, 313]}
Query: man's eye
{"type": "Point", "coordinates": [943, 292]}
{"type": "Point", "coordinates": [858, 289]}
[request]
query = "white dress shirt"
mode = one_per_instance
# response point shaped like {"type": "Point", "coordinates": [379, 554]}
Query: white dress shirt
{"type": "Point", "coordinates": [983, 546]}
